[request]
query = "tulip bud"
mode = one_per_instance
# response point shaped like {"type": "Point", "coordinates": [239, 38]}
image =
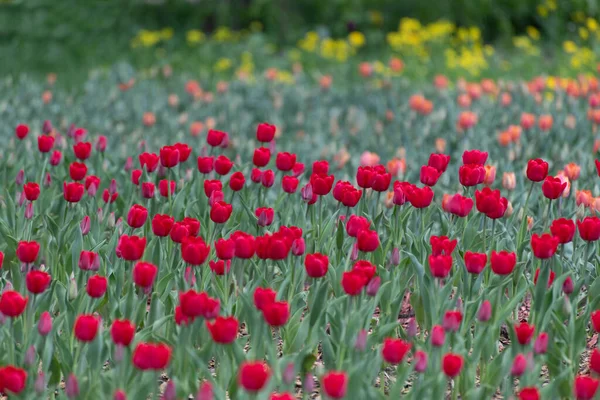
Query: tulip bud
{"type": "Point", "coordinates": [485, 311]}
{"type": "Point", "coordinates": [29, 211]}
{"type": "Point", "coordinates": [361, 340]}
{"type": "Point", "coordinates": [354, 254]}
{"type": "Point", "coordinates": [263, 219]}
{"type": "Point", "coordinates": [289, 373]}
{"type": "Point", "coordinates": [568, 286]}
{"type": "Point", "coordinates": [420, 361]}
{"type": "Point", "coordinates": [92, 190]}
{"type": "Point", "coordinates": [567, 305]}
{"type": "Point", "coordinates": [30, 356]}
{"type": "Point", "coordinates": [541, 343]}
{"type": "Point", "coordinates": [20, 178]}
{"type": "Point", "coordinates": [170, 392]}
{"type": "Point", "coordinates": [111, 220]}
{"type": "Point", "coordinates": [298, 247]}
{"type": "Point", "coordinates": [45, 323]}
{"type": "Point", "coordinates": [72, 288]}
{"type": "Point", "coordinates": [47, 127]}
{"type": "Point", "coordinates": [205, 392]}
{"type": "Point", "coordinates": [411, 330]}
{"type": "Point", "coordinates": [128, 164]}
{"type": "Point", "coordinates": [21, 198]}
{"type": "Point", "coordinates": [120, 395]}
{"type": "Point", "coordinates": [47, 180]}
{"type": "Point", "coordinates": [72, 387]}
{"type": "Point", "coordinates": [40, 383]}
{"type": "Point", "coordinates": [100, 214]}
{"type": "Point", "coordinates": [395, 258]}
{"type": "Point", "coordinates": [85, 225]}
{"type": "Point", "coordinates": [112, 188]}
{"type": "Point", "coordinates": [519, 365]}
{"type": "Point", "coordinates": [373, 286]}
{"type": "Point", "coordinates": [307, 193]}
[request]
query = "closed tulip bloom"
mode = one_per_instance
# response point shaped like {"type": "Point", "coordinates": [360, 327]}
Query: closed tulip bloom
{"type": "Point", "coordinates": [589, 229]}
{"type": "Point", "coordinates": [519, 365]}
{"type": "Point", "coordinates": [12, 304]}
{"type": "Point", "coordinates": [420, 197]}
{"type": "Point", "coordinates": [439, 161]}
{"type": "Point", "coordinates": [420, 361]}
{"type": "Point", "coordinates": [316, 265]}
{"type": "Point", "coordinates": [237, 181]}
{"type": "Point", "coordinates": [276, 313]}
{"type": "Point", "coordinates": [12, 380]}
{"type": "Point", "coordinates": [253, 375]}
{"type": "Point", "coordinates": [367, 240]}
{"type": "Point", "coordinates": [471, 174]}
{"type": "Point", "coordinates": [524, 332]}
{"type": "Point", "coordinates": [265, 132]}
{"type": "Point", "coordinates": [394, 350]}
{"type": "Point", "coordinates": [353, 282]}
{"type": "Point", "coordinates": [45, 323]}
{"type": "Point", "coordinates": [490, 203]}
{"type": "Point", "coordinates": [144, 274]}
{"type": "Point", "coordinates": [73, 192]}
{"type": "Point", "coordinates": [245, 245]}
{"type": "Point", "coordinates": [485, 311]}
{"type": "Point", "coordinates": [429, 175]}
{"type": "Point", "coordinates": [438, 336]}
{"type": "Point", "coordinates": [150, 161]}
{"type": "Point", "coordinates": [184, 151]}
{"type": "Point", "coordinates": [212, 185]}
{"type": "Point", "coordinates": [529, 393]}
{"type": "Point", "coordinates": [223, 165]}
{"type": "Point", "coordinates": [137, 215]}
{"type": "Point", "coordinates": [194, 304]}
{"type": "Point", "coordinates": [166, 188]}
{"type": "Point", "coordinates": [452, 364]}
{"type": "Point", "coordinates": [92, 183]}
{"type": "Point", "coordinates": [162, 224]}
{"type": "Point", "coordinates": [122, 332]}
{"type": "Point", "coordinates": [149, 356]}
{"type": "Point", "coordinates": [109, 198]}
{"type": "Point", "coordinates": [21, 131]}
{"type": "Point", "coordinates": [131, 248]}
{"type": "Point", "coordinates": [356, 224]}
{"type": "Point", "coordinates": [503, 262]}
{"type": "Point", "coordinates": [537, 170]}
{"type": "Point", "coordinates": [86, 327]}
{"type": "Point", "coordinates": [37, 281]}
{"type": "Point", "coordinates": [55, 158]}
{"type": "Point", "coordinates": [205, 164]}
{"type": "Point", "coordinates": [169, 156]}
{"type": "Point", "coordinates": [194, 250]}
{"type": "Point", "coordinates": [82, 150]}
{"type": "Point", "coordinates": [96, 286]}
{"type": "Point", "coordinates": [552, 188]}
{"type": "Point", "coordinates": [595, 319]}
{"type": "Point", "coordinates": [440, 266]}
{"type": "Point", "coordinates": [225, 248]}
{"type": "Point", "coordinates": [289, 184]}
{"type": "Point", "coordinates": [477, 157]}
{"type": "Point", "coordinates": [585, 387]}
{"type": "Point", "coordinates": [27, 252]}
{"type": "Point", "coordinates": [452, 320]}
{"type": "Point", "coordinates": [544, 246]}
{"type": "Point", "coordinates": [457, 205]}
{"type": "Point", "coordinates": [220, 212]}
{"type": "Point", "coordinates": [223, 330]}
{"type": "Point", "coordinates": [31, 190]}
{"type": "Point", "coordinates": [335, 384]}
{"type": "Point", "coordinates": [261, 157]}
{"type": "Point", "coordinates": [475, 262]}
{"type": "Point", "coordinates": [263, 296]}
{"type": "Point", "coordinates": [563, 229]}
{"type": "Point", "coordinates": [568, 286]}
{"type": "Point", "coordinates": [321, 184]}
{"type": "Point", "coordinates": [285, 161]}
{"type": "Point", "coordinates": [264, 215]}
{"type": "Point", "coordinates": [442, 245]}
{"type": "Point", "coordinates": [77, 171]}
{"type": "Point", "coordinates": [45, 143]}
{"type": "Point", "coordinates": [540, 346]}
{"type": "Point", "coordinates": [267, 178]}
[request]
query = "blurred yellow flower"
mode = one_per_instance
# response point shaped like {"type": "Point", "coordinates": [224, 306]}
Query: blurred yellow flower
{"type": "Point", "coordinates": [569, 46]}
{"type": "Point", "coordinates": [592, 24]}
{"type": "Point", "coordinates": [583, 33]}
{"type": "Point", "coordinates": [533, 33]}
{"type": "Point", "coordinates": [194, 36]}
{"type": "Point", "coordinates": [542, 11]}
{"type": "Point", "coordinates": [222, 34]}
{"type": "Point", "coordinates": [356, 39]}
{"type": "Point", "coordinates": [551, 4]}
{"type": "Point", "coordinates": [285, 77]}
{"type": "Point", "coordinates": [166, 33]}
{"type": "Point", "coordinates": [222, 64]}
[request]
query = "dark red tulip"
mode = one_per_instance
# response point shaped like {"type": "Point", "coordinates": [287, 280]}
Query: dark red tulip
{"type": "Point", "coordinates": [149, 356]}
{"type": "Point", "coordinates": [265, 132]}
{"type": "Point", "coordinates": [490, 203]}
{"type": "Point", "coordinates": [77, 171]}
{"type": "Point", "coordinates": [353, 282]}
{"type": "Point", "coordinates": [162, 225]}
{"type": "Point", "coordinates": [552, 188]}
{"type": "Point", "coordinates": [137, 215]}
{"type": "Point", "coordinates": [184, 151]}
{"type": "Point", "coordinates": [86, 327]}
{"type": "Point", "coordinates": [55, 158]}
{"type": "Point", "coordinates": [439, 161]}
{"type": "Point", "coordinates": [150, 161]}
{"type": "Point", "coordinates": [367, 240]}
{"type": "Point", "coordinates": [45, 143]}
{"type": "Point", "coordinates": [285, 161]}
{"type": "Point", "coordinates": [144, 274]}
{"type": "Point", "coordinates": [206, 164]}
{"type": "Point", "coordinates": [223, 330]}
{"type": "Point", "coordinates": [537, 170]}
{"type": "Point", "coordinates": [73, 191]}
{"type": "Point", "coordinates": [438, 336]}
{"type": "Point", "coordinates": [544, 246]}
{"type": "Point", "coordinates": [321, 184]}
{"type": "Point", "coordinates": [92, 183]}
{"type": "Point", "coordinates": [394, 350]}
{"type": "Point", "coordinates": [519, 365]}
{"type": "Point", "coordinates": [223, 165]}
{"type": "Point", "coordinates": [267, 178]}
{"type": "Point", "coordinates": [122, 332]}
{"type": "Point", "coordinates": [452, 364]}
{"type": "Point", "coordinates": [27, 252]}
{"type": "Point", "coordinates": [89, 261]}
{"type": "Point", "coordinates": [289, 184]}
{"type": "Point", "coordinates": [589, 229]}
{"type": "Point", "coordinates": [131, 248]}
{"type": "Point", "coordinates": [237, 181]}
{"type": "Point", "coordinates": [32, 191]}
{"type": "Point", "coordinates": [477, 157]}
{"type": "Point", "coordinates": [440, 266]}
{"type": "Point", "coordinates": [471, 174]}
{"type": "Point", "coordinates": [335, 384]}
{"type": "Point", "coordinates": [563, 229]}
{"type": "Point", "coordinates": [429, 175]}
{"type": "Point", "coordinates": [452, 320]}
{"type": "Point", "coordinates": [485, 311]}
{"type": "Point", "coordinates": [215, 138]}
{"type": "Point", "coordinates": [316, 265]}
{"type": "Point", "coordinates": [82, 150]}
{"type": "Point", "coordinates": [475, 262]}
{"type": "Point", "coordinates": [442, 245]}
{"type": "Point", "coordinates": [109, 198]}
{"type": "Point", "coordinates": [148, 190]}
{"type": "Point", "coordinates": [21, 131]}
{"type": "Point", "coordinates": [194, 250]}
{"type": "Point", "coordinates": [37, 281]}
{"type": "Point", "coordinates": [420, 197]}
{"type": "Point", "coordinates": [253, 376]}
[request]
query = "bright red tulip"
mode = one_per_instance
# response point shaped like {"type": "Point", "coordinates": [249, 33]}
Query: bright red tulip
{"type": "Point", "coordinates": [253, 376]}
{"type": "Point", "coordinates": [285, 161]}
{"type": "Point", "coordinates": [367, 240]}
{"type": "Point", "coordinates": [316, 265]}
{"type": "Point", "coordinates": [420, 197]}
{"type": "Point", "coordinates": [27, 252]}
{"type": "Point", "coordinates": [353, 282]}
{"type": "Point", "coordinates": [439, 161]}
{"type": "Point", "coordinates": [223, 165]}
{"type": "Point", "coordinates": [150, 161]}
{"type": "Point", "coordinates": [289, 184]}
{"type": "Point", "coordinates": [471, 174]}
{"type": "Point", "coordinates": [335, 384]}
{"type": "Point", "coordinates": [263, 297]}
{"type": "Point", "coordinates": [585, 387]}
{"type": "Point", "coordinates": [149, 356]}
{"type": "Point", "coordinates": [194, 250]}
{"type": "Point", "coordinates": [457, 205]}
{"type": "Point", "coordinates": [442, 245]}
{"type": "Point", "coordinates": [544, 246]}
{"type": "Point", "coordinates": [537, 170]}
{"type": "Point", "coordinates": [12, 379]}
{"type": "Point", "coordinates": [45, 143]}
{"type": "Point", "coordinates": [37, 281]}
{"type": "Point", "coordinates": [589, 229]}
{"type": "Point", "coordinates": [73, 192]}
{"type": "Point", "coordinates": [144, 274]}
{"type": "Point", "coordinates": [452, 364]}
{"type": "Point", "coordinates": [205, 164]}
{"type": "Point", "coordinates": [440, 266]}
{"type": "Point", "coordinates": [86, 327]}
{"type": "Point", "coordinates": [122, 332]}
{"type": "Point", "coordinates": [12, 304]}
{"type": "Point", "coordinates": [265, 132]}
{"type": "Point", "coordinates": [524, 332]}
{"type": "Point", "coordinates": [137, 215]}
{"type": "Point", "coordinates": [82, 150]}
{"type": "Point", "coordinates": [394, 350]}
{"type": "Point", "coordinates": [223, 330]}
{"type": "Point", "coordinates": [32, 191]}
{"type": "Point", "coordinates": [477, 157]}
{"type": "Point", "coordinates": [96, 286]}
{"type": "Point", "coordinates": [237, 181]}
{"type": "Point", "coordinates": [475, 262]}
{"type": "Point", "coordinates": [503, 262]}
{"type": "Point", "coordinates": [162, 224]}
{"type": "Point", "coordinates": [429, 175]}
{"type": "Point", "coordinates": [131, 248]}
{"type": "Point", "coordinates": [563, 229]}
{"type": "Point", "coordinates": [276, 313]}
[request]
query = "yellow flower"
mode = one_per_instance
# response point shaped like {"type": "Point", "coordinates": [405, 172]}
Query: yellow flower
{"type": "Point", "coordinates": [542, 11]}
{"type": "Point", "coordinates": [583, 33]}
{"type": "Point", "coordinates": [474, 33]}
{"type": "Point", "coordinates": [569, 46]}
{"type": "Point", "coordinates": [378, 67]}
{"type": "Point", "coordinates": [285, 77]}
{"type": "Point", "coordinates": [551, 82]}
{"type": "Point", "coordinates": [194, 36]}
{"type": "Point", "coordinates": [489, 50]}
{"type": "Point", "coordinates": [356, 39]}
{"type": "Point", "coordinates": [222, 34]}
{"type": "Point", "coordinates": [148, 38]}
{"type": "Point", "coordinates": [533, 33]}
{"type": "Point", "coordinates": [223, 64]}
{"type": "Point", "coordinates": [592, 24]}
{"type": "Point", "coordinates": [166, 33]}
{"type": "Point", "coordinates": [551, 4]}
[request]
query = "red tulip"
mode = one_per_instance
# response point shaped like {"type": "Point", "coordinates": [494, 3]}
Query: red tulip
{"type": "Point", "coordinates": [440, 266]}
{"type": "Point", "coordinates": [265, 132]}
{"type": "Point", "coordinates": [439, 161]}
{"type": "Point", "coordinates": [355, 225]}
{"type": "Point", "coordinates": [148, 356]}
{"type": "Point", "coordinates": [475, 262]}
{"type": "Point", "coordinates": [485, 311]}
{"type": "Point", "coordinates": [553, 188]}
{"type": "Point", "coordinates": [261, 157]}
{"type": "Point", "coordinates": [225, 248]}
{"type": "Point", "coordinates": [109, 198]}
{"type": "Point", "coordinates": [32, 191]}
{"type": "Point", "coordinates": [316, 265]}
{"type": "Point", "coordinates": [321, 184]}
{"type": "Point", "coordinates": [96, 286]}
{"type": "Point", "coordinates": [285, 161]}
{"type": "Point", "coordinates": [82, 150]}
{"type": "Point", "coordinates": [253, 376]}
{"type": "Point", "coordinates": [184, 151]}
{"type": "Point", "coordinates": [452, 320]}
{"type": "Point", "coordinates": [537, 170]}
{"type": "Point", "coordinates": [212, 185]}
{"type": "Point", "coordinates": [144, 274]}
{"type": "Point", "coordinates": [194, 304]}
{"type": "Point", "coordinates": [563, 229]}
{"type": "Point", "coordinates": [137, 215]}
{"type": "Point", "coordinates": [131, 248]}
{"type": "Point", "coordinates": [45, 143]}
{"type": "Point", "coordinates": [267, 178]}
{"type": "Point", "coordinates": [367, 240]}
{"type": "Point", "coordinates": [12, 379]}
{"type": "Point", "coordinates": [524, 332]}
{"type": "Point", "coordinates": [394, 350]}
{"type": "Point", "coordinates": [73, 192]}
{"type": "Point", "coordinates": [169, 156]}
{"type": "Point", "coordinates": [320, 167]}
{"type": "Point", "coordinates": [21, 132]}
{"type": "Point", "coordinates": [438, 336]}
{"type": "Point", "coordinates": [457, 205]}
{"type": "Point", "coordinates": [595, 318]}
{"type": "Point", "coordinates": [122, 332]}
{"type": "Point", "coordinates": [194, 250]}
{"type": "Point", "coordinates": [220, 212]}
{"type": "Point", "coordinates": [276, 313]}
{"type": "Point", "coordinates": [220, 267]}
{"type": "Point", "coordinates": [77, 171]}
{"type": "Point", "coordinates": [205, 164]}
{"type": "Point", "coordinates": [237, 181]}
{"type": "Point", "coordinates": [245, 245]}
{"type": "Point", "coordinates": [353, 282]}
{"type": "Point", "coordinates": [335, 384]}
{"type": "Point", "coordinates": [519, 365]}
{"type": "Point", "coordinates": [148, 190]}
{"type": "Point", "coordinates": [477, 157]}
{"type": "Point", "coordinates": [223, 165]}
{"type": "Point", "coordinates": [27, 252]}
{"type": "Point", "coordinates": [162, 224]}
{"type": "Point", "coordinates": [55, 158]}
{"type": "Point", "coordinates": [37, 281]}
{"type": "Point", "coordinates": [289, 184]}
{"type": "Point", "coordinates": [597, 162]}
{"type": "Point", "coordinates": [420, 197]}
{"type": "Point", "coordinates": [503, 262]}
{"type": "Point", "coordinates": [442, 245]}
{"type": "Point", "coordinates": [589, 229]}
{"type": "Point", "coordinates": [490, 203]}
{"type": "Point", "coordinates": [595, 361]}
{"type": "Point", "coordinates": [263, 297]}
{"type": "Point", "coordinates": [166, 188]}
{"type": "Point", "coordinates": [223, 330]}
{"type": "Point", "coordinates": [540, 346]}
{"type": "Point", "coordinates": [429, 175]}
{"type": "Point", "coordinates": [529, 393]}
{"type": "Point", "coordinates": [12, 304]}
{"type": "Point", "coordinates": [264, 215]}
{"type": "Point", "coordinates": [452, 364]}
{"type": "Point", "coordinates": [365, 268]}
{"type": "Point", "coordinates": [281, 396]}
{"type": "Point", "coordinates": [92, 183]}
{"type": "Point", "coordinates": [585, 387]}
{"type": "Point", "coordinates": [86, 327]}
{"type": "Point", "coordinates": [544, 246]}
{"type": "Point", "coordinates": [150, 161]}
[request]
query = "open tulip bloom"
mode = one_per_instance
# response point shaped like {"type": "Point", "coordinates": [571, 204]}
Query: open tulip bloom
{"type": "Point", "coordinates": [250, 255]}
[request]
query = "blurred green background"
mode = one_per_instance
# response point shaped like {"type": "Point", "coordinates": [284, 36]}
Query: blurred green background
{"type": "Point", "coordinates": [70, 36]}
